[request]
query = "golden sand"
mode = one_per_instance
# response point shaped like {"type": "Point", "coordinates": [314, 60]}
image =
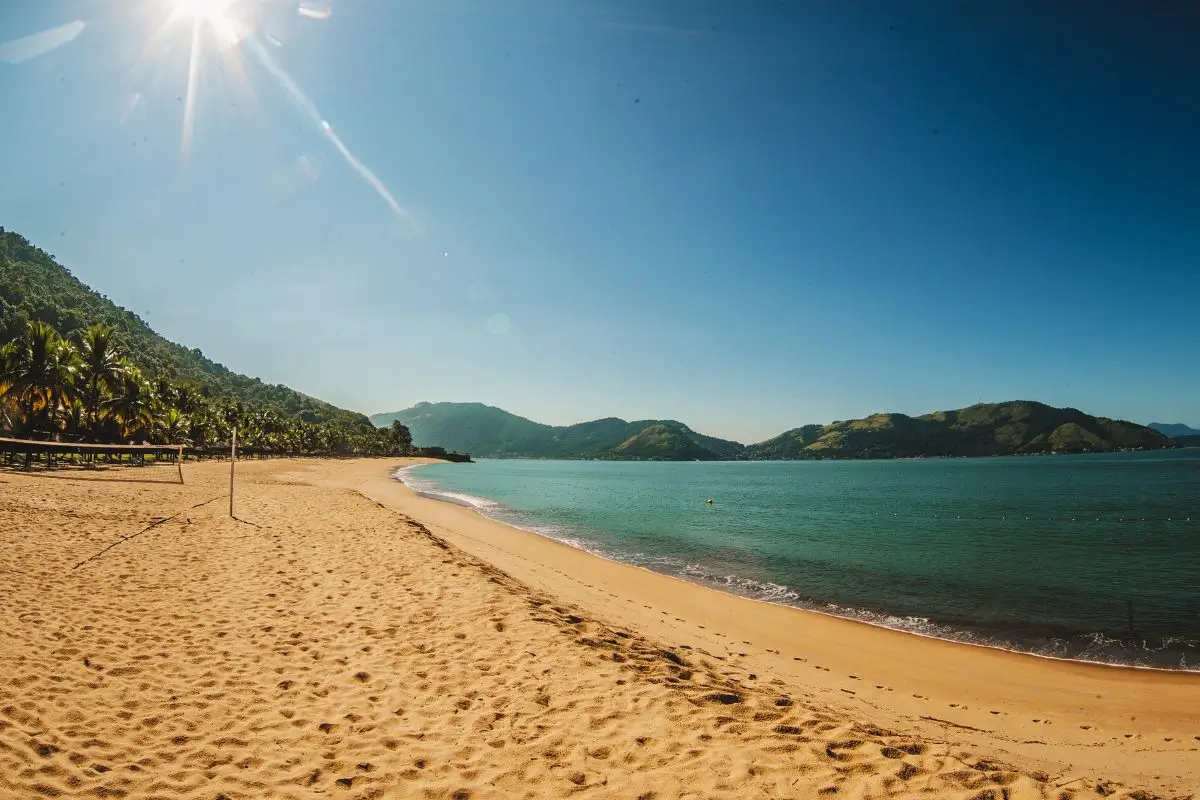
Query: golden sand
{"type": "Point", "coordinates": [346, 637]}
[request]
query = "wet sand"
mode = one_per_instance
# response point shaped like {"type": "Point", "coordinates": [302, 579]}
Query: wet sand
{"type": "Point", "coordinates": [346, 636]}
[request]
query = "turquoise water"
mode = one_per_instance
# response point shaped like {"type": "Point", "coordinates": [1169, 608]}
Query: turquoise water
{"type": "Point", "coordinates": [1044, 554]}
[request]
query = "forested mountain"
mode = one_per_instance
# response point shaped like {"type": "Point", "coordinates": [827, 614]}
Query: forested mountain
{"type": "Point", "coordinates": [74, 367]}
{"type": "Point", "coordinates": [33, 287]}
{"type": "Point", "coordinates": [494, 433]}
{"type": "Point", "coordinates": [981, 430]}
{"type": "Point", "coordinates": [662, 443]}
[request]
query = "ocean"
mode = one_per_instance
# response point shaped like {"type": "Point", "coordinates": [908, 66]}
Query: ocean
{"type": "Point", "coordinates": [1090, 557]}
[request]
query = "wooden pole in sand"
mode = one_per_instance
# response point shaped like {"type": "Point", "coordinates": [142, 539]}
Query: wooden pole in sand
{"type": "Point", "coordinates": [232, 461]}
{"type": "Point", "coordinates": [179, 461]}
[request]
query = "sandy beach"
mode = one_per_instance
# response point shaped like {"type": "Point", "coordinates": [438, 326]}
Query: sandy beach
{"type": "Point", "coordinates": [345, 637]}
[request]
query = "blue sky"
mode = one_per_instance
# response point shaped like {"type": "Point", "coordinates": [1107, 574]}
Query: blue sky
{"type": "Point", "coordinates": [747, 216]}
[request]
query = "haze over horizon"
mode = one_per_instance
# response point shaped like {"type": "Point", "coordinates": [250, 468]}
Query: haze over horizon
{"type": "Point", "coordinates": [745, 219]}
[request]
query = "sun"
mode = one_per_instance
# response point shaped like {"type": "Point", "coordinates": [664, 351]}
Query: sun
{"type": "Point", "coordinates": [216, 15]}
{"type": "Point", "coordinates": [202, 9]}
{"type": "Point", "coordinates": [217, 20]}
{"type": "Point", "coordinates": [232, 29]}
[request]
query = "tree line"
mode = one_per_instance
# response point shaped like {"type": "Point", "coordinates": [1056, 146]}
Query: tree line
{"type": "Point", "coordinates": [34, 287]}
{"type": "Point", "coordinates": [84, 388]}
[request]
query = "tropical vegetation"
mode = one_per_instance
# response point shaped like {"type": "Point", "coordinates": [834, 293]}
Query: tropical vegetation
{"type": "Point", "coordinates": [84, 388]}
{"type": "Point", "coordinates": [75, 367]}
{"type": "Point", "coordinates": [34, 287]}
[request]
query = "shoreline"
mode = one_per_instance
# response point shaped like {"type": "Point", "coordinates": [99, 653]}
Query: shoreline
{"type": "Point", "coordinates": [443, 497]}
{"type": "Point", "coordinates": [1095, 712]}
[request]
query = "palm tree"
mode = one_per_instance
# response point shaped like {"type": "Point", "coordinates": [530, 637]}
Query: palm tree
{"type": "Point", "coordinates": [203, 427]}
{"type": "Point", "coordinates": [166, 393]}
{"type": "Point", "coordinates": [132, 404]}
{"type": "Point", "coordinates": [100, 372]}
{"type": "Point", "coordinates": [187, 398]}
{"type": "Point", "coordinates": [40, 370]}
{"type": "Point", "coordinates": [172, 425]}
{"type": "Point", "coordinates": [9, 409]}
{"type": "Point", "coordinates": [267, 427]}
{"type": "Point", "coordinates": [74, 419]}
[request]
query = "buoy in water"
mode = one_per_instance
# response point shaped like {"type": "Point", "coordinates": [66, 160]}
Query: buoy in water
{"type": "Point", "coordinates": [710, 501]}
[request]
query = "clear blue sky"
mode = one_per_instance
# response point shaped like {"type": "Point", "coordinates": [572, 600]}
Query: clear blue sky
{"type": "Point", "coordinates": [747, 216]}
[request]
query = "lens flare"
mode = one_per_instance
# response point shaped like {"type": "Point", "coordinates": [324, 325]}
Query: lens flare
{"type": "Point", "coordinates": [216, 18]}
{"type": "Point", "coordinates": [231, 25]}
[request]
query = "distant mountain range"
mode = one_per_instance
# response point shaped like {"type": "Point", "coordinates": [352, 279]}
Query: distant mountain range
{"type": "Point", "coordinates": [1173, 429]}
{"type": "Point", "coordinates": [1017, 427]}
{"type": "Point", "coordinates": [490, 432]}
{"type": "Point", "coordinates": [1013, 428]}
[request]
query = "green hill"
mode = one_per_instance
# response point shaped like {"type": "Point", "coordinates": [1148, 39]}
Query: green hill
{"type": "Point", "coordinates": [469, 428]}
{"type": "Point", "coordinates": [491, 432]}
{"type": "Point", "coordinates": [1018, 427]}
{"type": "Point", "coordinates": [662, 443]}
{"type": "Point", "coordinates": [35, 287]}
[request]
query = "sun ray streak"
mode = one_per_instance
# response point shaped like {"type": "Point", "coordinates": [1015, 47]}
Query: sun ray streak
{"type": "Point", "coordinates": [301, 101]}
{"type": "Point", "coordinates": [189, 108]}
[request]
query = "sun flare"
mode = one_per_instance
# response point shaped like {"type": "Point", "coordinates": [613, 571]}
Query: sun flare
{"type": "Point", "coordinates": [215, 15]}
{"type": "Point", "coordinates": [205, 10]}
{"type": "Point", "coordinates": [205, 17]}
{"type": "Point", "coordinates": [234, 30]}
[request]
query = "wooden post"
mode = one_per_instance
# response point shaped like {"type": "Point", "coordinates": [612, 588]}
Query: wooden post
{"type": "Point", "coordinates": [232, 461]}
{"type": "Point", "coordinates": [179, 461]}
